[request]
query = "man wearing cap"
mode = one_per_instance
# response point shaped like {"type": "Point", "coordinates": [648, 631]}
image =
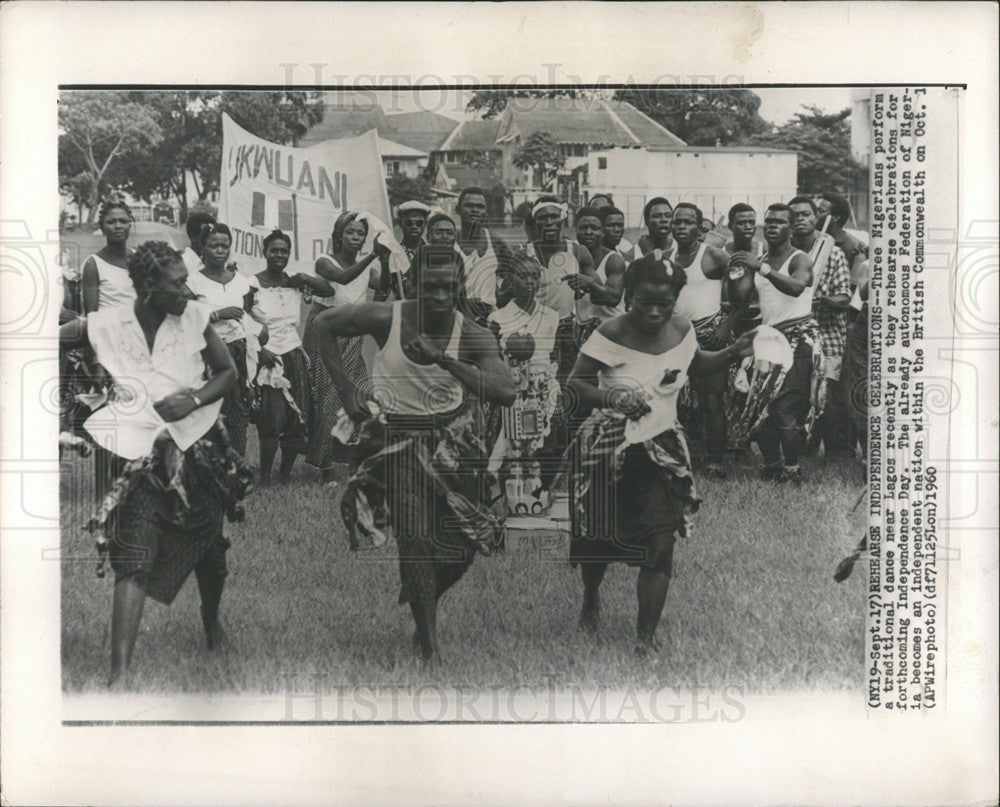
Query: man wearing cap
{"type": "Point", "coordinates": [412, 217]}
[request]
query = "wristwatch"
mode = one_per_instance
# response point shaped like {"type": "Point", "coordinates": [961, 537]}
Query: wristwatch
{"type": "Point", "coordinates": [765, 269]}
{"type": "Point", "coordinates": [197, 401]}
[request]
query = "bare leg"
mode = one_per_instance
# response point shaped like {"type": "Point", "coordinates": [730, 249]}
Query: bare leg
{"type": "Point", "coordinates": [652, 593]}
{"type": "Point", "coordinates": [268, 450]}
{"type": "Point", "coordinates": [590, 613]}
{"type": "Point", "coordinates": [715, 429]}
{"type": "Point", "coordinates": [210, 586]}
{"type": "Point", "coordinates": [288, 457]}
{"type": "Point", "coordinates": [425, 616]}
{"type": "Point", "coordinates": [126, 613]}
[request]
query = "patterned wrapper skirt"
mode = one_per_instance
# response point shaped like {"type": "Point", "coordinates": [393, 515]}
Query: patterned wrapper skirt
{"type": "Point", "coordinates": [424, 480]}
{"type": "Point", "coordinates": [163, 515]}
{"type": "Point", "coordinates": [628, 503]}
{"type": "Point", "coordinates": [323, 450]}
{"type": "Point", "coordinates": [284, 412]}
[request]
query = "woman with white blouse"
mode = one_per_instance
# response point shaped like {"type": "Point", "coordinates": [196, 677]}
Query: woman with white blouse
{"type": "Point", "coordinates": [283, 376]}
{"type": "Point", "coordinates": [226, 291]}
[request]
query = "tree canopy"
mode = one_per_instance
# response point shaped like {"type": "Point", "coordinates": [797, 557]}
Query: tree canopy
{"type": "Point", "coordinates": [823, 143]}
{"type": "Point", "coordinates": [722, 116]}
{"type": "Point", "coordinates": [169, 137]}
{"type": "Point", "coordinates": [540, 153]}
{"type": "Point", "coordinates": [98, 133]}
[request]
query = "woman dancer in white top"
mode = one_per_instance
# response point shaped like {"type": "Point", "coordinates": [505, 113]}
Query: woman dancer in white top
{"type": "Point", "coordinates": [630, 370]}
{"type": "Point", "coordinates": [226, 291]}
{"type": "Point", "coordinates": [283, 378]}
{"type": "Point", "coordinates": [179, 476]}
{"type": "Point", "coordinates": [106, 282]}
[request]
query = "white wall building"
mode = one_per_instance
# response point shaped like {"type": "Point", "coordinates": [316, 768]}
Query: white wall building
{"type": "Point", "coordinates": [714, 178]}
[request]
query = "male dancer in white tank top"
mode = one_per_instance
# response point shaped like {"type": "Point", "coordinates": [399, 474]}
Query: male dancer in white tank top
{"type": "Point", "coordinates": [656, 216]}
{"type": "Point", "coordinates": [599, 291]}
{"type": "Point", "coordinates": [433, 368]}
{"type": "Point", "coordinates": [738, 291]}
{"type": "Point", "coordinates": [784, 283]}
{"type": "Point", "coordinates": [701, 301]}
{"type": "Point", "coordinates": [482, 253]}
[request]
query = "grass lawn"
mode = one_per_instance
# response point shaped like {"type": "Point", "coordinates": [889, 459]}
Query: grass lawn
{"type": "Point", "coordinates": [752, 604]}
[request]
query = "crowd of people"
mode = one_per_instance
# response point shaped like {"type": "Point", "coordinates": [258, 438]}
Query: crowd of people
{"type": "Point", "coordinates": [507, 377]}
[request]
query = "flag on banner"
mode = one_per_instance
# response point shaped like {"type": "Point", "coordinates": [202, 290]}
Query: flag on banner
{"type": "Point", "coordinates": [299, 191]}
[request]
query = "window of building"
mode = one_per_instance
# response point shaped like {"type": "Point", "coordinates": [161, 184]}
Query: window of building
{"type": "Point", "coordinates": [602, 162]}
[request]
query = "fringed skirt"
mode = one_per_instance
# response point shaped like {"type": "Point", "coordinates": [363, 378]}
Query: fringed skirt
{"type": "Point", "coordinates": [628, 503]}
{"type": "Point", "coordinates": [285, 408]}
{"type": "Point", "coordinates": [424, 480]}
{"type": "Point", "coordinates": [163, 515]}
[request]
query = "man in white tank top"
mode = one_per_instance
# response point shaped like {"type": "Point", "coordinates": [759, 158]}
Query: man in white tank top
{"type": "Point", "coordinates": [701, 302]}
{"type": "Point", "coordinates": [599, 292]}
{"type": "Point", "coordinates": [613, 220]}
{"type": "Point", "coordinates": [481, 251]}
{"type": "Point", "coordinates": [738, 291]}
{"type": "Point", "coordinates": [784, 283]}
{"type": "Point", "coordinates": [656, 216]}
{"type": "Point", "coordinates": [422, 460]}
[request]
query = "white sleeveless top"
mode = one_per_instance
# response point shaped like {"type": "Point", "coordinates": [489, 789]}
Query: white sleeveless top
{"type": "Point", "coordinates": [347, 293]}
{"type": "Point", "coordinates": [644, 372]}
{"type": "Point", "coordinates": [114, 285]}
{"type": "Point", "coordinates": [222, 295]}
{"type": "Point", "coordinates": [552, 290]}
{"type": "Point", "coordinates": [481, 272]}
{"type": "Point", "coordinates": [279, 309]}
{"type": "Point", "coordinates": [540, 323]}
{"type": "Point", "coordinates": [701, 297]}
{"type": "Point", "coordinates": [403, 387]}
{"type": "Point", "coordinates": [776, 307]}
{"type": "Point", "coordinates": [143, 377]}
{"type": "Point", "coordinates": [636, 252]}
{"type": "Point", "coordinates": [586, 309]}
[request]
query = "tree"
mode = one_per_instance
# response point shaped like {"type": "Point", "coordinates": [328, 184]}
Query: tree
{"type": "Point", "coordinates": [701, 116]}
{"type": "Point", "coordinates": [490, 103]}
{"type": "Point", "coordinates": [823, 143]}
{"type": "Point", "coordinates": [192, 144]}
{"type": "Point", "coordinates": [99, 130]}
{"type": "Point", "coordinates": [541, 154]}
{"type": "Point", "coordinates": [402, 188]}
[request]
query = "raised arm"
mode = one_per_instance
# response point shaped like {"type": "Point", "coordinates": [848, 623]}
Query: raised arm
{"type": "Point", "coordinates": [479, 367]}
{"type": "Point", "coordinates": [373, 319]}
{"type": "Point", "coordinates": [715, 263]}
{"type": "Point", "coordinates": [707, 362]}
{"type": "Point", "coordinates": [319, 286]}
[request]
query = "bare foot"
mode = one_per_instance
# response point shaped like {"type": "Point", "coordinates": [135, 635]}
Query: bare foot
{"type": "Point", "coordinates": [216, 638]}
{"type": "Point", "coordinates": [590, 619]}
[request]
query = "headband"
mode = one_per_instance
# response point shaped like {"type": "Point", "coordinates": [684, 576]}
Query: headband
{"type": "Point", "coordinates": [557, 205]}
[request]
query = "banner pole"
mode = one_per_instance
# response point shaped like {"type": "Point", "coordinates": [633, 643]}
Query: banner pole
{"type": "Point", "coordinates": [295, 226]}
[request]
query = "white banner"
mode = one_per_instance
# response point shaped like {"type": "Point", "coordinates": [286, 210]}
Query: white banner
{"type": "Point", "coordinates": [299, 191]}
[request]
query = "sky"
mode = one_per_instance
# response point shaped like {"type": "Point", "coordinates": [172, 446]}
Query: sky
{"type": "Point", "coordinates": [777, 105]}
